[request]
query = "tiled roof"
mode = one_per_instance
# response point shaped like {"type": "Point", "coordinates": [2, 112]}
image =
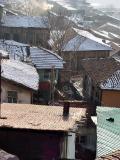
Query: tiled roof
{"type": "Point", "coordinates": [20, 73]}
{"type": "Point", "coordinates": [108, 130]}
{"type": "Point", "coordinates": [27, 116]}
{"type": "Point", "coordinates": [113, 82]}
{"type": "Point", "coordinates": [45, 59]}
{"type": "Point", "coordinates": [100, 69]}
{"type": "Point", "coordinates": [112, 156]}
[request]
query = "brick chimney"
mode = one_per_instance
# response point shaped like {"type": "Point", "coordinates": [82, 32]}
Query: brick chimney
{"type": "Point", "coordinates": [66, 109]}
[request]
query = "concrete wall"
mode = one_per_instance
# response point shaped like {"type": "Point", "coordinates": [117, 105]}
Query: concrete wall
{"type": "Point", "coordinates": [110, 98]}
{"type": "Point", "coordinates": [24, 95]}
{"type": "Point", "coordinates": [71, 146]}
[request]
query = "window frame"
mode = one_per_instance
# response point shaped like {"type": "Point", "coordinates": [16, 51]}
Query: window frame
{"type": "Point", "coordinates": [12, 97]}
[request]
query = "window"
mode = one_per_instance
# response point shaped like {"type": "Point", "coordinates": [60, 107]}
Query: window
{"type": "Point", "coordinates": [16, 37]}
{"type": "Point", "coordinates": [46, 74]}
{"type": "Point", "coordinates": [6, 36]}
{"type": "Point", "coordinates": [12, 97]}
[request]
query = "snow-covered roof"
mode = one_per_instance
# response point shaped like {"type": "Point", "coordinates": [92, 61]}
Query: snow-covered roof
{"type": "Point", "coordinates": [20, 73]}
{"type": "Point", "coordinates": [110, 28]}
{"type": "Point", "coordinates": [1, 5]}
{"type": "Point", "coordinates": [85, 41]}
{"type": "Point", "coordinates": [3, 54]}
{"type": "Point", "coordinates": [45, 59]}
{"type": "Point", "coordinates": [14, 43]}
{"type": "Point", "coordinates": [109, 25]}
{"type": "Point", "coordinates": [113, 82]}
{"type": "Point", "coordinates": [15, 49]}
{"type": "Point", "coordinates": [101, 34]}
{"type": "Point", "coordinates": [24, 21]}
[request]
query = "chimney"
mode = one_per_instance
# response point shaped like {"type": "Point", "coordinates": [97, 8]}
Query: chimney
{"type": "Point", "coordinates": [66, 109]}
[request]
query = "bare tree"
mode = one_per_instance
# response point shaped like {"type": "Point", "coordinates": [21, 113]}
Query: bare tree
{"type": "Point", "coordinates": [59, 27]}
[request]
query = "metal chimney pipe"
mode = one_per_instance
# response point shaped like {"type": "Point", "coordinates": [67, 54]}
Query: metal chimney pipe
{"type": "Point", "coordinates": [66, 109]}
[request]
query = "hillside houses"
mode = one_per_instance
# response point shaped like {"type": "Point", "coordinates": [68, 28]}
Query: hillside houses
{"type": "Point", "coordinates": [54, 74]}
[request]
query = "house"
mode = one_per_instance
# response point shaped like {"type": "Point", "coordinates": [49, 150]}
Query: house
{"type": "Point", "coordinates": [101, 82]}
{"type": "Point", "coordinates": [48, 65]}
{"type": "Point", "coordinates": [25, 29]}
{"type": "Point", "coordinates": [111, 156]}
{"type": "Point", "coordinates": [44, 132]}
{"type": "Point", "coordinates": [108, 132]}
{"type": "Point", "coordinates": [6, 156]}
{"type": "Point", "coordinates": [81, 46]}
{"type": "Point", "coordinates": [18, 81]}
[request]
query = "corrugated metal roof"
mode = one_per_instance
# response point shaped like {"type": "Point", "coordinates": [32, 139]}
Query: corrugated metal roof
{"type": "Point", "coordinates": [45, 59]}
{"type": "Point", "coordinates": [108, 130]}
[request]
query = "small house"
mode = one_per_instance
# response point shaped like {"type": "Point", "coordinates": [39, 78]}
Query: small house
{"type": "Point", "coordinates": [18, 81]}
{"type": "Point", "coordinates": [45, 132]}
{"type": "Point", "coordinates": [25, 29]}
{"type": "Point", "coordinates": [48, 65]}
{"type": "Point", "coordinates": [82, 45]}
{"type": "Point", "coordinates": [101, 82]}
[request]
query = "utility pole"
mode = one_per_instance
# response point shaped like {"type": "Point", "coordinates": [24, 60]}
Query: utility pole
{"type": "Point", "coordinates": [52, 83]}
